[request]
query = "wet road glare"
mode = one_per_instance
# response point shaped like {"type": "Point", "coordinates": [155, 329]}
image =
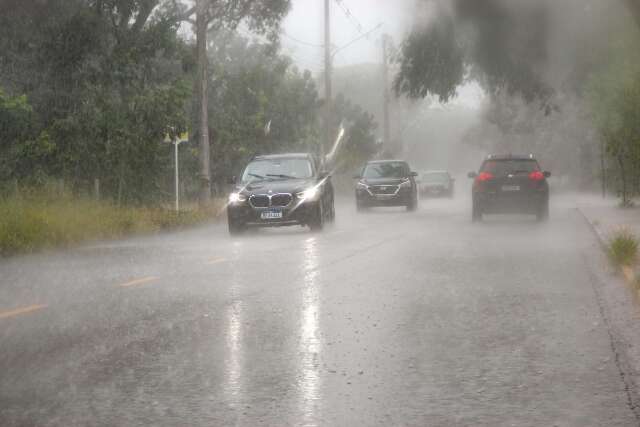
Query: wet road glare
{"type": "Point", "coordinates": [386, 318]}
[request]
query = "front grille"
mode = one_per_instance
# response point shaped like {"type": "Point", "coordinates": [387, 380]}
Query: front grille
{"type": "Point", "coordinates": [384, 189]}
{"type": "Point", "coordinates": [280, 200]}
{"type": "Point", "coordinates": [261, 201]}
{"type": "Point", "coordinates": [265, 201]}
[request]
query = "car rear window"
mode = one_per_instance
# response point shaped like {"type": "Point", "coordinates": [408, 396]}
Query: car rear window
{"type": "Point", "coordinates": [510, 166]}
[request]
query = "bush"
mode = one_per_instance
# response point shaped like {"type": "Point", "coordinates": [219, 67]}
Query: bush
{"type": "Point", "coordinates": [623, 248]}
{"type": "Point", "coordinates": [36, 221]}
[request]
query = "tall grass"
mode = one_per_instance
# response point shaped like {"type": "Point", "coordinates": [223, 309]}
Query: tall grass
{"type": "Point", "coordinates": [35, 221]}
{"type": "Point", "coordinates": [623, 248]}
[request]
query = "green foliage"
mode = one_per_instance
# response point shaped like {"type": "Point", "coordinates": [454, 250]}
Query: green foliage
{"type": "Point", "coordinates": [614, 96]}
{"type": "Point", "coordinates": [623, 248]}
{"type": "Point", "coordinates": [251, 86]}
{"type": "Point", "coordinates": [483, 40]}
{"type": "Point", "coordinates": [359, 144]}
{"type": "Point", "coordinates": [41, 219]}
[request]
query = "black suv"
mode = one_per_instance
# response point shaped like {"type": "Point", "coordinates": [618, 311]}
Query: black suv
{"type": "Point", "coordinates": [510, 184]}
{"type": "Point", "coordinates": [386, 183]}
{"type": "Point", "coordinates": [283, 189]}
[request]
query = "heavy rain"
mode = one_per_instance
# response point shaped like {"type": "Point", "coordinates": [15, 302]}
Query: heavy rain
{"type": "Point", "coordinates": [319, 213]}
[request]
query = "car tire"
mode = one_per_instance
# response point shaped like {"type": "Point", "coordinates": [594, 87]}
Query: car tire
{"type": "Point", "coordinates": [413, 204]}
{"type": "Point", "coordinates": [476, 213]}
{"type": "Point", "coordinates": [317, 222]}
{"type": "Point", "coordinates": [543, 212]}
{"type": "Point", "coordinates": [332, 212]}
{"type": "Point", "coordinates": [236, 228]}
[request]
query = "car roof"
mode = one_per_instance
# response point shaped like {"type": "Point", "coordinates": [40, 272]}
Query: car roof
{"type": "Point", "coordinates": [510, 157]}
{"type": "Point", "coordinates": [386, 161]}
{"type": "Point", "coordinates": [284, 156]}
{"type": "Point", "coordinates": [434, 172]}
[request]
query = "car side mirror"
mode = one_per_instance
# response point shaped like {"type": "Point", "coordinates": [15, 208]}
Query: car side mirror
{"type": "Point", "coordinates": [413, 174]}
{"type": "Point", "coordinates": [546, 174]}
{"type": "Point", "coordinates": [232, 180]}
{"type": "Point", "coordinates": [324, 174]}
{"type": "Point", "coordinates": [472, 175]}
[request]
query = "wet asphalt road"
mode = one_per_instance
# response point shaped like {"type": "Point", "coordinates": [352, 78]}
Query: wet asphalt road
{"type": "Point", "coordinates": [388, 318]}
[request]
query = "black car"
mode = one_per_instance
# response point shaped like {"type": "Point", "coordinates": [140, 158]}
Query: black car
{"type": "Point", "coordinates": [510, 184]}
{"type": "Point", "coordinates": [278, 190]}
{"type": "Point", "coordinates": [436, 184]}
{"type": "Point", "coordinates": [386, 183]}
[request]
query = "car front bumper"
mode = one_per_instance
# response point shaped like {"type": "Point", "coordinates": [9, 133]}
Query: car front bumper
{"type": "Point", "coordinates": [403, 197]}
{"type": "Point", "coordinates": [295, 214]}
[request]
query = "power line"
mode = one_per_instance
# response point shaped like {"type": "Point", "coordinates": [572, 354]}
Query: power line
{"type": "Point", "coordinates": [350, 16]}
{"type": "Point", "coordinates": [302, 42]}
{"type": "Point", "coordinates": [357, 38]}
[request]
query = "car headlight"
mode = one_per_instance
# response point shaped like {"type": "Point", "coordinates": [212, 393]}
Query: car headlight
{"type": "Point", "coordinates": [237, 198]}
{"type": "Point", "coordinates": [362, 185]}
{"type": "Point", "coordinates": [308, 194]}
{"type": "Point", "coordinates": [405, 184]}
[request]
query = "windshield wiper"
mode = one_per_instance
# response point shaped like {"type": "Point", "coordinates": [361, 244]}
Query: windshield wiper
{"type": "Point", "coordinates": [280, 175]}
{"type": "Point", "coordinates": [256, 175]}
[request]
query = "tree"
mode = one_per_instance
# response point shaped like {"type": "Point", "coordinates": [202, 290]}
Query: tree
{"type": "Point", "coordinates": [261, 16]}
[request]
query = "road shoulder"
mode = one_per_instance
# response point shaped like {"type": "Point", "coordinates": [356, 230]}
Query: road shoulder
{"type": "Point", "coordinates": [617, 301]}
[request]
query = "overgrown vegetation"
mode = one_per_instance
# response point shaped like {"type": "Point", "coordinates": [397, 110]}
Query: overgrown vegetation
{"type": "Point", "coordinates": [89, 90]}
{"type": "Point", "coordinates": [623, 248]}
{"type": "Point", "coordinates": [37, 220]}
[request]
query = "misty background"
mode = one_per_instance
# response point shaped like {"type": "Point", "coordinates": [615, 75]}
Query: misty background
{"type": "Point", "coordinates": [90, 90]}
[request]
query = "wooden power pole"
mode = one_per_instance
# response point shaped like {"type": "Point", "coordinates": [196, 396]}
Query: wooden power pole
{"type": "Point", "coordinates": [202, 21]}
{"type": "Point", "coordinates": [385, 81]}
{"type": "Point", "coordinates": [327, 78]}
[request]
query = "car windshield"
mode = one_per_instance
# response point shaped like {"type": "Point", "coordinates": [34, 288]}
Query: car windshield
{"type": "Point", "coordinates": [438, 177]}
{"type": "Point", "coordinates": [510, 166]}
{"type": "Point", "coordinates": [386, 170]}
{"type": "Point", "coordinates": [278, 168]}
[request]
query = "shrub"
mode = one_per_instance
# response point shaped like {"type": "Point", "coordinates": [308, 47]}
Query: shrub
{"type": "Point", "coordinates": [623, 248]}
{"type": "Point", "coordinates": [36, 221]}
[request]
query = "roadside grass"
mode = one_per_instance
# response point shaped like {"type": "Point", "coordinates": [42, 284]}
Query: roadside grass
{"type": "Point", "coordinates": [623, 248]}
{"type": "Point", "coordinates": [39, 221]}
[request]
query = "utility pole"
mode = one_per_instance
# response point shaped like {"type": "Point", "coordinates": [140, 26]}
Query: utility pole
{"type": "Point", "coordinates": [603, 170]}
{"type": "Point", "coordinates": [327, 78]}
{"type": "Point", "coordinates": [385, 83]}
{"type": "Point", "coordinates": [202, 22]}
{"type": "Point", "coordinates": [176, 143]}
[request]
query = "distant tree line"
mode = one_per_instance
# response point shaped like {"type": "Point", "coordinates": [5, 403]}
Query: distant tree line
{"type": "Point", "coordinates": [90, 88]}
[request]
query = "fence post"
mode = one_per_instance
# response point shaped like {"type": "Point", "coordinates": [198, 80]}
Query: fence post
{"type": "Point", "coordinates": [96, 189]}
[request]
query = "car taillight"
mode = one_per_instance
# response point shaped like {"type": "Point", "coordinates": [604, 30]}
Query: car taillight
{"type": "Point", "coordinates": [484, 176]}
{"type": "Point", "coordinates": [536, 176]}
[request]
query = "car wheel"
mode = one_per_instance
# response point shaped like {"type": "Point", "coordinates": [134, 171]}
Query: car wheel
{"type": "Point", "coordinates": [236, 228]}
{"type": "Point", "coordinates": [317, 222]}
{"type": "Point", "coordinates": [476, 213]}
{"type": "Point", "coordinates": [413, 204]}
{"type": "Point", "coordinates": [543, 212]}
{"type": "Point", "coordinates": [332, 212]}
{"type": "Point", "coordinates": [360, 207]}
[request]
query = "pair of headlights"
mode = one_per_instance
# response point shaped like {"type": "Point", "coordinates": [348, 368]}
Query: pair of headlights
{"type": "Point", "coordinates": [309, 194]}
{"type": "Point", "coordinates": [403, 184]}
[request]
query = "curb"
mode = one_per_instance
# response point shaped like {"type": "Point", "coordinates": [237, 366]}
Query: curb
{"type": "Point", "coordinates": [602, 239]}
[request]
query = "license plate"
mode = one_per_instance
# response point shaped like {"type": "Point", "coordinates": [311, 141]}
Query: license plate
{"type": "Point", "coordinates": [271, 215]}
{"type": "Point", "coordinates": [510, 188]}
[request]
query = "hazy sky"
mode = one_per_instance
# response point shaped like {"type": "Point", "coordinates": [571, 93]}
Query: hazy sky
{"type": "Point", "coordinates": [303, 35]}
{"type": "Point", "coordinates": [306, 24]}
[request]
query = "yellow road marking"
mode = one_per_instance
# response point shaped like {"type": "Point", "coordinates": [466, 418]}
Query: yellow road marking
{"type": "Point", "coordinates": [139, 281]}
{"type": "Point", "coordinates": [216, 260]}
{"type": "Point", "coordinates": [22, 310]}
